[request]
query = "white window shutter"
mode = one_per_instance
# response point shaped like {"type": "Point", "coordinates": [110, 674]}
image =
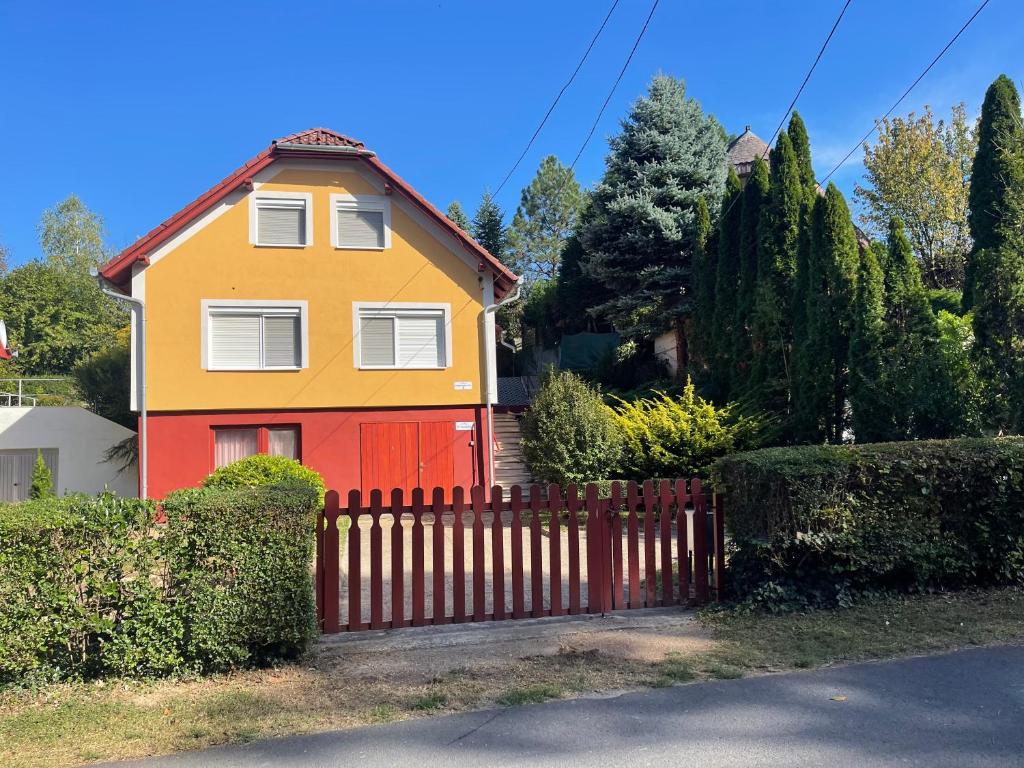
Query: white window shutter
{"type": "Point", "coordinates": [281, 345]}
{"type": "Point", "coordinates": [360, 229]}
{"type": "Point", "coordinates": [421, 341]}
{"type": "Point", "coordinates": [376, 341]}
{"type": "Point", "coordinates": [281, 223]}
{"type": "Point", "coordinates": [234, 341]}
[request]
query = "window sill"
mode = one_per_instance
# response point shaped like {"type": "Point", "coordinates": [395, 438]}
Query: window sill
{"type": "Point", "coordinates": [253, 370]}
{"type": "Point", "coordinates": [360, 247]}
{"type": "Point", "coordinates": [403, 368]}
{"type": "Point", "coordinates": [280, 245]}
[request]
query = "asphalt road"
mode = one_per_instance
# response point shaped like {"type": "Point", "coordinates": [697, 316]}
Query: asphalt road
{"type": "Point", "coordinates": [960, 709]}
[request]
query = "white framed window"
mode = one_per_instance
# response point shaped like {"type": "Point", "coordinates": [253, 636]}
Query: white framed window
{"type": "Point", "coordinates": [255, 335]}
{"type": "Point", "coordinates": [360, 222]}
{"type": "Point", "coordinates": [402, 336]}
{"type": "Point", "coordinates": [281, 219]}
{"type": "Point", "coordinates": [237, 442]}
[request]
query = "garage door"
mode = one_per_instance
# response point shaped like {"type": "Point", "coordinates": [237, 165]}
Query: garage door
{"type": "Point", "coordinates": [16, 471]}
{"type": "Point", "coordinates": [407, 455]}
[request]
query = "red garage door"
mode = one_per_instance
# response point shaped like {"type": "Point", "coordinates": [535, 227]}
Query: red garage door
{"type": "Point", "coordinates": [407, 455]}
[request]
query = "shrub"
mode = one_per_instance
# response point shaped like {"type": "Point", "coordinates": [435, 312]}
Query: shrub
{"type": "Point", "coordinates": [42, 480]}
{"type": "Point", "coordinates": [665, 436]}
{"type": "Point", "coordinates": [240, 581]}
{"type": "Point", "coordinates": [73, 599]}
{"type": "Point", "coordinates": [261, 469]}
{"type": "Point", "coordinates": [92, 587]}
{"type": "Point", "coordinates": [569, 434]}
{"type": "Point", "coordinates": [821, 525]}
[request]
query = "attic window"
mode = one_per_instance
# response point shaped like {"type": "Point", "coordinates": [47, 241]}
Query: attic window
{"type": "Point", "coordinates": [361, 222]}
{"type": "Point", "coordinates": [281, 219]}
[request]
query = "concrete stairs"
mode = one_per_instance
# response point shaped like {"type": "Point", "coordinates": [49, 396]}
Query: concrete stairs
{"type": "Point", "coordinates": [510, 466]}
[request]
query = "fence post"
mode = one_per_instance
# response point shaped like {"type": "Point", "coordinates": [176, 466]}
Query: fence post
{"type": "Point", "coordinates": [318, 580]}
{"type": "Point", "coordinates": [700, 542]}
{"type": "Point", "coordinates": [332, 552]}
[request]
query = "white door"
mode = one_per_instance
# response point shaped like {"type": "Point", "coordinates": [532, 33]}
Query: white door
{"type": "Point", "coordinates": [16, 471]}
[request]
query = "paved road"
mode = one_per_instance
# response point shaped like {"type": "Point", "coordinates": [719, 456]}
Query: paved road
{"type": "Point", "coordinates": [960, 709]}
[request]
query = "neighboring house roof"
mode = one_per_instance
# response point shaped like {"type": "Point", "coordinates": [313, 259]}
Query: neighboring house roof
{"type": "Point", "coordinates": [317, 143]}
{"type": "Point", "coordinates": [743, 150]}
{"type": "Point", "coordinates": [4, 353]}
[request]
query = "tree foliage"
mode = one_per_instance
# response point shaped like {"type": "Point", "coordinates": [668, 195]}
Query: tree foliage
{"type": "Point", "coordinates": [919, 171]}
{"type": "Point", "coordinates": [72, 236]}
{"type": "Point", "coordinates": [104, 382]}
{"type": "Point", "coordinates": [727, 270]}
{"type": "Point", "coordinates": [547, 215]}
{"type": "Point", "coordinates": [42, 480]}
{"type": "Point", "coordinates": [488, 228]}
{"type": "Point", "coordinates": [996, 265]}
{"type": "Point", "coordinates": [752, 203]}
{"type": "Point", "coordinates": [641, 238]}
{"type": "Point", "coordinates": [458, 216]}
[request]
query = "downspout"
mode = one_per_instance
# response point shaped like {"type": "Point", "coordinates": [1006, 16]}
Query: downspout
{"type": "Point", "coordinates": [491, 351]}
{"type": "Point", "coordinates": [139, 309]}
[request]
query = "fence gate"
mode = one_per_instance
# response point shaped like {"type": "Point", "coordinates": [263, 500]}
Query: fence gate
{"type": "Point", "coordinates": [514, 556]}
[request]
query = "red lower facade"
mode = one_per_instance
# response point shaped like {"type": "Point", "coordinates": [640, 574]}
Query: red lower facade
{"type": "Point", "coordinates": [362, 449]}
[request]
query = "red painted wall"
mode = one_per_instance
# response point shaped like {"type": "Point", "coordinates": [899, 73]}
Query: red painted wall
{"type": "Point", "coordinates": [181, 444]}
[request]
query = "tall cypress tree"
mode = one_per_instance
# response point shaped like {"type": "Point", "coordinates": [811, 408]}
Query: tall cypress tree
{"type": "Point", "coordinates": [639, 241]}
{"type": "Point", "coordinates": [801, 142]}
{"type": "Point", "coordinates": [995, 267]}
{"type": "Point", "coordinates": [994, 176]}
{"type": "Point", "coordinates": [755, 195]}
{"type": "Point", "coordinates": [870, 399]}
{"type": "Point", "coordinates": [705, 267]}
{"type": "Point", "coordinates": [726, 279]}
{"type": "Point", "coordinates": [777, 257]}
{"type": "Point", "coordinates": [832, 268]}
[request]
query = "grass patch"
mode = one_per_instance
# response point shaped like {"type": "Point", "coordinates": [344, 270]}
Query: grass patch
{"type": "Point", "coordinates": [70, 724]}
{"type": "Point", "coordinates": [529, 694]}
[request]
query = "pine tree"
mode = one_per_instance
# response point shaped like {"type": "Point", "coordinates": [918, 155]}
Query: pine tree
{"type": "Point", "coordinates": [705, 266]}
{"type": "Point", "coordinates": [489, 230]}
{"type": "Point", "coordinates": [458, 216]}
{"type": "Point", "coordinates": [777, 266]}
{"type": "Point", "coordinates": [995, 267]}
{"type": "Point", "coordinates": [640, 241]}
{"type": "Point", "coordinates": [726, 279]}
{"type": "Point", "coordinates": [994, 176]}
{"type": "Point", "coordinates": [548, 213]}
{"type": "Point", "coordinates": [752, 207]}
{"type": "Point", "coordinates": [801, 142]}
{"type": "Point", "coordinates": [870, 400]}
{"type": "Point", "coordinates": [42, 480]}
{"type": "Point", "coordinates": [832, 268]}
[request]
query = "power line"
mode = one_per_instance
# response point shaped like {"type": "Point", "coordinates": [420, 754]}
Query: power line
{"type": "Point", "coordinates": [615, 85]}
{"type": "Point", "coordinates": [905, 93]}
{"type": "Point", "coordinates": [800, 90]}
{"type": "Point", "coordinates": [558, 97]}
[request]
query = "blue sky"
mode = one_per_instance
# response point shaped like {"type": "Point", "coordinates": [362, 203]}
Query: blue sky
{"type": "Point", "coordinates": [140, 107]}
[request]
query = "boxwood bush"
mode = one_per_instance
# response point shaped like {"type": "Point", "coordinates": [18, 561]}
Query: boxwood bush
{"type": "Point", "coordinates": [261, 469]}
{"type": "Point", "coordinates": [822, 525]}
{"type": "Point", "coordinates": [93, 586]}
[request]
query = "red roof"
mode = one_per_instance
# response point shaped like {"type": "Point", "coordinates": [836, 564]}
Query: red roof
{"type": "Point", "coordinates": [304, 144]}
{"type": "Point", "coordinates": [4, 354]}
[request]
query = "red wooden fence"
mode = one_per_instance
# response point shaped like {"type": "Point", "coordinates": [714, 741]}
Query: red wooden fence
{"type": "Point", "coordinates": [638, 546]}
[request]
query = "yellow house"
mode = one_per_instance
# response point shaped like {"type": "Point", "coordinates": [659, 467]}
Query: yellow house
{"type": "Point", "coordinates": [313, 305]}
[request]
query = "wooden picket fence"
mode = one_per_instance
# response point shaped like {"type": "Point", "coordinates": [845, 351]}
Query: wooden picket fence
{"type": "Point", "coordinates": [642, 546]}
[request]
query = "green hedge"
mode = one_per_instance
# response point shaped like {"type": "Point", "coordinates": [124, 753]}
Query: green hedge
{"type": "Point", "coordinates": [821, 525]}
{"type": "Point", "coordinates": [261, 469]}
{"type": "Point", "coordinates": [93, 586]}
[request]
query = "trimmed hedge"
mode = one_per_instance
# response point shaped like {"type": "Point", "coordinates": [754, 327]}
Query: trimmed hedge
{"type": "Point", "coordinates": [94, 587]}
{"type": "Point", "coordinates": [821, 525]}
{"type": "Point", "coordinates": [262, 469]}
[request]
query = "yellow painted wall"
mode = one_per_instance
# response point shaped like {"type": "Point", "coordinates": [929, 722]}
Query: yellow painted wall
{"type": "Point", "coordinates": [218, 262]}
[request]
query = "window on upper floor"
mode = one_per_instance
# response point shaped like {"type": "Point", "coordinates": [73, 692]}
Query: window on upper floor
{"type": "Point", "coordinates": [361, 222]}
{"type": "Point", "coordinates": [281, 219]}
{"type": "Point", "coordinates": [403, 336]}
{"type": "Point", "coordinates": [254, 336]}
{"type": "Point", "coordinates": [233, 443]}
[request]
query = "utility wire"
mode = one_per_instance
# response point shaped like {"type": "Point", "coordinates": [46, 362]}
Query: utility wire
{"type": "Point", "coordinates": [558, 97]}
{"type": "Point", "coordinates": [800, 90]}
{"type": "Point", "coordinates": [615, 85]}
{"type": "Point", "coordinates": [905, 94]}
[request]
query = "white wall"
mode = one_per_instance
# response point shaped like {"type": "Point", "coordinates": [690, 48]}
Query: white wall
{"type": "Point", "coordinates": [665, 348]}
{"type": "Point", "coordinates": [81, 439]}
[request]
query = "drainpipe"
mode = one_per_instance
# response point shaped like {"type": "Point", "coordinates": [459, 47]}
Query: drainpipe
{"type": "Point", "coordinates": [490, 351]}
{"type": "Point", "coordinates": [138, 307]}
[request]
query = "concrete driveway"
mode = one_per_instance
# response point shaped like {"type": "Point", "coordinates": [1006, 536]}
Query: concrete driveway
{"type": "Point", "coordinates": [959, 709]}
